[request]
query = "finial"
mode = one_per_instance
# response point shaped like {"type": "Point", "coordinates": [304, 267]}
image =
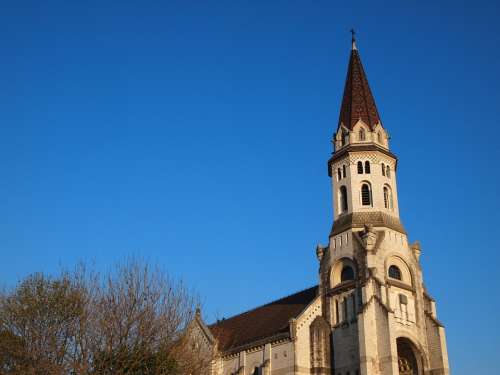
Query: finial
{"type": "Point", "coordinates": [353, 39]}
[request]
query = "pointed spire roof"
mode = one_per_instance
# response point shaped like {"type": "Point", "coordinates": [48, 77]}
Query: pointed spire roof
{"type": "Point", "coordinates": [357, 102]}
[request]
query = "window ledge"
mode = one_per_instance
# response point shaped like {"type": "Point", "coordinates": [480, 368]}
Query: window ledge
{"type": "Point", "coordinates": [400, 284]}
{"type": "Point", "coordinates": [343, 286]}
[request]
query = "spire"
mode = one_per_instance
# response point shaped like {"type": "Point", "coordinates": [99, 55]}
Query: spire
{"type": "Point", "coordinates": [357, 102]}
{"type": "Point", "coordinates": [353, 40]}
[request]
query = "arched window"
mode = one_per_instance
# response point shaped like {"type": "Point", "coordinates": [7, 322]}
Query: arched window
{"type": "Point", "coordinates": [339, 174]}
{"type": "Point", "coordinates": [344, 171]}
{"type": "Point", "coordinates": [388, 171]}
{"type": "Point", "coordinates": [347, 274]}
{"type": "Point", "coordinates": [367, 167]}
{"type": "Point", "coordinates": [343, 199]}
{"type": "Point", "coordinates": [360, 167]}
{"type": "Point", "coordinates": [366, 195]}
{"type": "Point", "coordinates": [362, 134]}
{"type": "Point", "coordinates": [394, 272]}
{"type": "Point", "coordinates": [379, 137]}
{"type": "Point", "coordinates": [387, 197]}
{"type": "Point", "coordinates": [383, 169]}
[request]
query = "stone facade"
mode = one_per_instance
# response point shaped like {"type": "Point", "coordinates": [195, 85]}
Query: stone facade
{"type": "Point", "coordinates": [371, 313]}
{"type": "Point", "coordinates": [289, 354]}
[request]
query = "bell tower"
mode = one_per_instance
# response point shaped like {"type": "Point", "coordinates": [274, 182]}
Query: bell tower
{"type": "Point", "coordinates": [362, 168]}
{"type": "Point", "coordinates": [382, 319]}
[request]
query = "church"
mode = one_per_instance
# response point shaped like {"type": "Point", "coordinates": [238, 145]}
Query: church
{"type": "Point", "coordinates": [370, 313]}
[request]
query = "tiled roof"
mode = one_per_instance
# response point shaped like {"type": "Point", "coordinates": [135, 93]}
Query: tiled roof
{"type": "Point", "coordinates": [263, 322]}
{"type": "Point", "coordinates": [357, 102]}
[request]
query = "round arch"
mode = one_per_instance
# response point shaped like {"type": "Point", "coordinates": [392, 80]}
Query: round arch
{"type": "Point", "coordinates": [407, 276]}
{"type": "Point", "coordinates": [339, 268]}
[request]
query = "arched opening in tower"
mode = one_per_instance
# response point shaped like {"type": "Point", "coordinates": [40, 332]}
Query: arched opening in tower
{"type": "Point", "coordinates": [408, 362]}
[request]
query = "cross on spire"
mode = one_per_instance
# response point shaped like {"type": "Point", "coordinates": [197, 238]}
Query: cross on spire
{"type": "Point", "coordinates": [353, 39]}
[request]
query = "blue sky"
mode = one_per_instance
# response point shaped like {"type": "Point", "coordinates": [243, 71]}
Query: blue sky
{"type": "Point", "coordinates": [196, 134]}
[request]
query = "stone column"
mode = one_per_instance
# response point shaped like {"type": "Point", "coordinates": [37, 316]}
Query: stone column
{"type": "Point", "coordinates": [242, 363]}
{"type": "Point", "coordinates": [266, 368]}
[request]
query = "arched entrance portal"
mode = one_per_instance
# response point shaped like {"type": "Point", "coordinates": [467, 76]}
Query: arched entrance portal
{"type": "Point", "coordinates": [407, 358]}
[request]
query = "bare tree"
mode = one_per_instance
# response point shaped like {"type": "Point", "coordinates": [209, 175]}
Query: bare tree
{"type": "Point", "coordinates": [134, 320]}
{"type": "Point", "coordinates": [38, 323]}
{"type": "Point", "coordinates": [140, 315]}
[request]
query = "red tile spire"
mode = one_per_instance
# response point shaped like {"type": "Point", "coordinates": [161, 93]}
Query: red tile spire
{"type": "Point", "coordinates": [358, 102]}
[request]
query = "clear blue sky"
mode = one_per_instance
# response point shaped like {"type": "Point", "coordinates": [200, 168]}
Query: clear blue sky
{"type": "Point", "coordinates": [196, 134]}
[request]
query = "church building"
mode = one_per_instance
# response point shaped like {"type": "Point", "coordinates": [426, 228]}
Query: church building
{"type": "Point", "coordinates": [370, 313]}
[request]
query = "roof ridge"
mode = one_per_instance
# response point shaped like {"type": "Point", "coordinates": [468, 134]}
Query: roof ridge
{"type": "Point", "coordinates": [263, 305]}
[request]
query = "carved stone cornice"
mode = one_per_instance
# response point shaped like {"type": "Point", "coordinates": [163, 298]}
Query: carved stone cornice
{"type": "Point", "coordinates": [357, 148]}
{"type": "Point", "coordinates": [342, 287]}
{"type": "Point", "coordinates": [401, 285]}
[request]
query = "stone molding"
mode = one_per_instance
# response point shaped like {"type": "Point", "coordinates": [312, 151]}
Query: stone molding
{"type": "Point", "coordinates": [360, 148]}
{"type": "Point", "coordinates": [342, 287]}
{"type": "Point", "coordinates": [433, 319]}
{"type": "Point", "coordinates": [360, 219]}
{"type": "Point", "coordinates": [373, 157]}
{"type": "Point", "coordinates": [275, 339]}
{"type": "Point", "coordinates": [428, 296]}
{"type": "Point", "coordinates": [400, 284]}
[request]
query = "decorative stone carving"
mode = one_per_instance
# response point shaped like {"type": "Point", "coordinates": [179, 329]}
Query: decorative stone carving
{"type": "Point", "coordinates": [415, 247]}
{"type": "Point", "coordinates": [369, 237]}
{"type": "Point", "coordinates": [320, 252]}
{"type": "Point", "coordinates": [404, 367]}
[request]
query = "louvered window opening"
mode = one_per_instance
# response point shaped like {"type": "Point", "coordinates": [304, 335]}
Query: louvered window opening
{"type": "Point", "coordinates": [343, 199]}
{"type": "Point", "coordinates": [366, 195]}
{"type": "Point", "coordinates": [386, 197]}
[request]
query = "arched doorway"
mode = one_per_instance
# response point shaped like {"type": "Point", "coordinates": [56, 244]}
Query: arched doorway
{"type": "Point", "coordinates": [408, 358]}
